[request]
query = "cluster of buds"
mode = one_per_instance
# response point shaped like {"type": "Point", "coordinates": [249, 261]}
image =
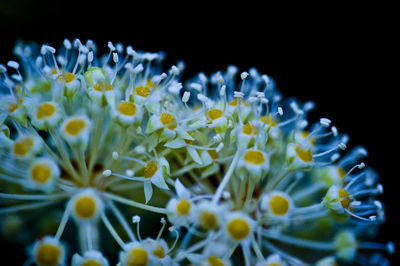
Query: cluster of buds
{"type": "Point", "coordinates": [98, 144]}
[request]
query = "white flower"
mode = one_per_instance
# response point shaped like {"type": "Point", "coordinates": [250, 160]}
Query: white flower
{"type": "Point", "coordinates": [277, 204]}
{"type": "Point", "coordinates": [134, 253]}
{"type": "Point", "coordinates": [25, 147]}
{"type": "Point", "coordinates": [48, 251]}
{"type": "Point", "coordinates": [181, 208]}
{"type": "Point", "coordinates": [42, 174]}
{"type": "Point", "coordinates": [90, 257]}
{"type": "Point", "coordinates": [86, 206]}
{"type": "Point", "coordinates": [256, 162]}
{"type": "Point", "coordinates": [47, 114]}
{"type": "Point", "coordinates": [298, 156]}
{"type": "Point", "coordinates": [127, 113]}
{"type": "Point", "coordinates": [238, 226]}
{"type": "Point", "coordinates": [76, 129]}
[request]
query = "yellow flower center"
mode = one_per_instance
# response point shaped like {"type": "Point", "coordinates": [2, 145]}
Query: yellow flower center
{"type": "Point", "coordinates": [127, 108]}
{"type": "Point", "coordinates": [214, 114]}
{"type": "Point", "coordinates": [208, 220]}
{"type": "Point", "coordinates": [278, 205]}
{"type": "Point", "coordinates": [41, 173]}
{"type": "Point", "coordinates": [69, 77]}
{"type": "Point", "coordinates": [269, 121]}
{"type": "Point", "coordinates": [23, 146]}
{"type": "Point", "coordinates": [14, 106]}
{"type": "Point", "coordinates": [91, 262]}
{"type": "Point", "coordinates": [149, 83]}
{"type": "Point", "coordinates": [168, 120]}
{"type": "Point", "coordinates": [75, 126]}
{"type": "Point", "coordinates": [235, 103]}
{"type": "Point", "coordinates": [48, 255]}
{"type": "Point", "coordinates": [215, 261]}
{"type": "Point", "coordinates": [150, 169]}
{"type": "Point", "coordinates": [189, 141]}
{"type": "Point", "coordinates": [254, 157]}
{"type": "Point", "coordinates": [344, 198]}
{"type": "Point", "coordinates": [305, 134]}
{"type": "Point", "coordinates": [85, 207]}
{"type": "Point", "coordinates": [213, 154]}
{"type": "Point", "coordinates": [137, 257]}
{"type": "Point", "coordinates": [341, 172]}
{"type": "Point", "coordinates": [248, 129]}
{"type": "Point", "coordinates": [143, 91]}
{"type": "Point", "coordinates": [238, 229]}
{"type": "Point", "coordinates": [304, 154]}
{"type": "Point", "coordinates": [183, 207]}
{"type": "Point", "coordinates": [45, 110]}
{"type": "Point", "coordinates": [159, 251]}
{"type": "Point", "coordinates": [100, 86]}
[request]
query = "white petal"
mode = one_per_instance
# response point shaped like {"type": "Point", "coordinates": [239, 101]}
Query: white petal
{"type": "Point", "coordinates": [181, 190]}
{"type": "Point", "coordinates": [158, 179]}
{"type": "Point", "coordinates": [148, 191]}
{"type": "Point", "coordinates": [195, 156]}
{"type": "Point", "coordinates": [176, 143]}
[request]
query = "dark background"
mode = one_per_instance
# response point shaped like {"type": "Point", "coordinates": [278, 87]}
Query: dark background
{"type": "Point", "coordinates": [340, 56]}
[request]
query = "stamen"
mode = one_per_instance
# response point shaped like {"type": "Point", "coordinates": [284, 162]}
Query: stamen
{"type": "Point", "coordinates": [164, 223]}
{"type": "Point", "coordinates": [172, 229]}
{"type": "Point", "coordinates": [136, 220]}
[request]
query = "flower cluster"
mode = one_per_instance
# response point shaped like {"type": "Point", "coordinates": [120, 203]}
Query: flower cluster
{"type": "Point", "coordinates": [98, 144]}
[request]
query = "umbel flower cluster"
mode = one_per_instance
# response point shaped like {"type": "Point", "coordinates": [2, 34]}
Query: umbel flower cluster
{"type": "Point", "coordinates": [98, 150]}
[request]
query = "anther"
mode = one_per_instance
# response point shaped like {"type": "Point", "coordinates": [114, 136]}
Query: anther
{"type": "Point", "coordinates": [260, 94]}
{"type": "Point", "coordinates": [226, 195]}
{"type": "Point", "coordinates": [136, 219]}
{"type": "Point", "coordinates": [334, 131]}
{"type": "Point", "coordinates": [111, 46]}
{"type": "Point", "coordinates": [280, 111]}
{"type": "Point", "coordinates": [175, 70]}
{"type": "Point", "coordinates": [325, 122]}
{"type": "Point", "coordinates": [130, 51]}
{"type": "Point", "coordinates": [266, 79]}
{"type": "Point", "coordinates": [296, 108]}
{"type": "Point", "coordinates": [186, 96]}
{"type": "Point", "coordinates": [220, 147]}
{"type": "Point", "coordinates": [129, 172]}
{"type": "Point", "coordinates": [334, 157]}
{"type": "Point", "coordinates": [140, 149]}
{"type": "Point", "coordinates": [107, 172]}
{"type": "Point", "coordinates": [217, 138]}
{"type": "Point", "coordinates": [115, 57]}
{"type": "Point", "coordinates": [13, 64]}
{"type": "Point", "coordinates": [195, 86]}
{"type": "Point", "coordinates": [67, 44]}
{"type": "Point", "coordinates": [238, 94]}
{"type": "Point", "coordinates": [244, 75]}
{"type": "Point", "coordinates": [90, 57]}
{"type": "Point", "coordinates": [202, 98]}
{"type": "Point", "coordinates": [252, 99]}
{"type": "Point", "coordinates": [342, 146]}
{"type": "Point", "coordinates": [138, 68]}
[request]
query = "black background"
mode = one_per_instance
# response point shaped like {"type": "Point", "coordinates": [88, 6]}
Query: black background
{"type": "Point", "coordinates": [340, 56]}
